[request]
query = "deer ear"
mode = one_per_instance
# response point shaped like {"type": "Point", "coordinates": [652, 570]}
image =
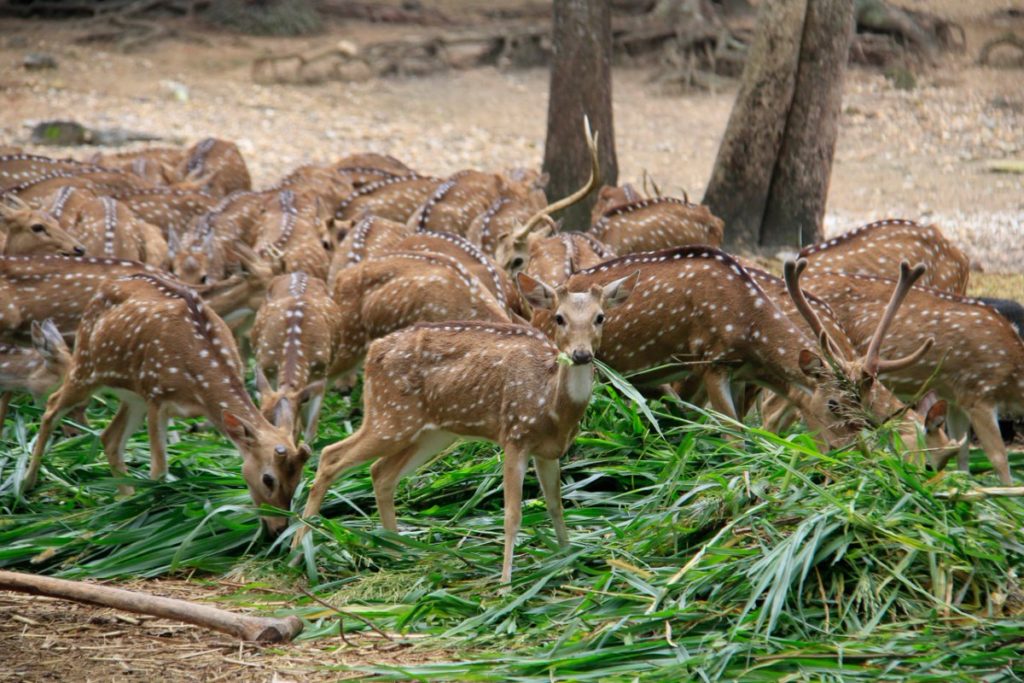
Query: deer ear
{"type": "Point", "coordinates": [237, 429]}
{"type": "Point", "coordinates": [936, 416]}
{"type": "Point", "coordinates": [615, 293]}
{"type": "Point", "coordinates": [262, 385]}
{"type": "Point", "coordinates": [311, 390]}
{"type": "Point", "coordinates": [811, 364]}
{"type": "Point", "coordinates": [535, 292]}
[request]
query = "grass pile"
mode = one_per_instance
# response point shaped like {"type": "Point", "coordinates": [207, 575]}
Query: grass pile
{"type": "Point", "coordinates": [701, 550]}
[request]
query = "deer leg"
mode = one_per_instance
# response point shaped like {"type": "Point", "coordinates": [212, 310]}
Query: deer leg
{"type": "Point", "coordinates": [115, 437]}
{"type": "Point", "coordinates": [986, 426]}
{"type": "Point", "coordinates": [156, 421]}
{"type": "Point", "coordinates": [720, 393]}
{"type": "Point", "coordinates": [549, 471]}
{"type": "Point", "coordinates": [316, 402]}
{"type": "Point", "coordinates": [362, 446]}
{"type": "Point", "coordinates": [514, 471]}
{"type": "Point", "coordinates": [59, 403]}
{"type": "Point", "coordinates": [389, 470]}
{"type": "Point", "coordinates": [958, 424]}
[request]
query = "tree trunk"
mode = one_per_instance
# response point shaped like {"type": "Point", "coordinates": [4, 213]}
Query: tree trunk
{"type": "Point", "coordinates": [799, 189]}
{"type": "Point", "coordinates": [581, 84]}
{"type": "Point", "coordinates": [741, 179]}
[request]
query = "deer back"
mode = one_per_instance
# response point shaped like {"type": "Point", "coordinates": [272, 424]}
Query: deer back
{"type": "Point", "coordinates": [612, 196]}
{"type": "Point", "coordinates": [877, 249]}
{"type": "Point", "coordinates": [168, 209]}
{"type": "Point", "coordinates": [499, 220]}
{"type": "Point", "coordinates": [155, 165]}
{"type": "Point", "coordinates": [653, 224]}
{"type": "Point", "coordinates": [553, 259]}
{"type": "Point", "coordinates": [219, 163]}
{"type": "Point", "coordinates": [393, 198]}
{"type": "Point", "coordinates": [369, 237]}
{"type": "Point", "coordinates": [457, 201]}
{"type": "Point", "coordinates": [293, 232]}
{"type": "Point", "coordinates": [365, 168]}
{"type": "Point", "coordinates": [20, 168]}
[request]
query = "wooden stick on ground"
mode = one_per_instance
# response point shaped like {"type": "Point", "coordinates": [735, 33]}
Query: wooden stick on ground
{"type": "Point", "coordinates": [982, 492]}
{"type": "Point", "coordinates": [258, 629]}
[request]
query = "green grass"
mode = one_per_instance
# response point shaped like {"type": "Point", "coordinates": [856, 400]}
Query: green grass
{"type": "Point", "coordinates": [707, 551]}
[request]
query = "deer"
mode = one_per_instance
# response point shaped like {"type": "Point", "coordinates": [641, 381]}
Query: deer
{"type": "Point", "coordinates": [294, 335]}
{"type": "Point", "coordinates": [37, 370]}
{"type": "Point", "coordinates": [27, 231]}
{"type": "Point", "coordinates": [151, 341]}
{"type": "Point", "coordinates": [877, 249]}
{"type": "Point", "coordinates": [976, 363]}
{"type": "Point", "coordinates": [698, 306]}
{"type": "Point", "coordinates": [368, 237]}
{"type": "Point", "coordinates": [368, 167]}
{"type": "Point", "coordinates": [611, 196]}
{"type": "Point", "coordinates": [34, 288]}
{"type": "Point", "coordinates": [457, 201]}
{"type": "Point", "coordinates": [105, 226]}
{"type": "Point", "coordinates": [658, 223]}
{"type": "Point", "coordinates": [395, 198]}
{"type": "Point", "coordinates": [102, 181]}
{"type": "Point", "coordinates": [430, 384]}
{"type": "Point", "coordinates": [21, 168]}
{"type": "Point", "coordinates": [555, 258]}
{"type": "Point", "coordinates": [293, 230]}
{"type": "Point", "coordinates": [220, 165]}
{"type": "Point", "coordinates": [169, 209]}
{"type": "Point", "coordinates": [155, 165]}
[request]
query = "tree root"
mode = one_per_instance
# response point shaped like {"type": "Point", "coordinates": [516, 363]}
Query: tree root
{"type": "Point", "coordinates": [1007, 39]}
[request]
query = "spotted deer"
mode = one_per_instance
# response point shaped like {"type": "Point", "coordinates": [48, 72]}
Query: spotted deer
{"type": "Point", "coordinates": [369, 167]}
{"type": "Point", "coordinates": [555, 258]}
{"type": "Point", "coordinates": [292, 229]}
{"type": "Point", "coordinates": [294, 336]}
{"type": "Point", "coordinates": [977, 359]}
{"type": "Point", "coordinates": [611, 196]}
{"type": "Point", "coordinates": [368, 237]}
{"type": "Point", "coordinates": [152, 342]}
{"type": "Point", "coordinates": [698, 307]}
{"type": "Point", "coordinates": [34, 288]}
{"type": "Point", "coordinates": [501, 218]}
{"type": "Point", "coordinates": [659, 223]}
{"type": "Point", "coordinates": [380, 295]}
{"type": "Point", "coordinates": [395, 198]}
{"type": "Point", "coordinates": [155, 165]}
{"type": "Point", "coordinates": [106, 227]}
{"type": "Point", "coordinates": [462, 197]}
{"type": "Point", "coordinates": [26, 231]}
{"type": "Point", "coordinates": [220, 165]}
{"type": "Point", "coordinates": [21, 169]}
{"type": "Point", "coordinates": [168, 209]}
{"type": "Point", "coordinates": [102, 182]}
{"type": "Point", "coordinates": [878, 248]}
{"type": "Point", "coordinates": [37, 370]}
{"type": "Point", "coordinates": [431, 384]}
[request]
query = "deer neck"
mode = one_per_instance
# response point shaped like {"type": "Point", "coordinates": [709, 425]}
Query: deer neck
{"type": "Point", "coordinates": [574, 384]}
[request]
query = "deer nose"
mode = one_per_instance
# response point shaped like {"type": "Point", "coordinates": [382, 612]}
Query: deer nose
{"type": "Point", "coordinates": [581, 357]}
{"type": "Point", "coordinates": [78, 251]}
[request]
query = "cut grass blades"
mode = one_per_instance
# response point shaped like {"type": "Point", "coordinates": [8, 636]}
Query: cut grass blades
{"type": "Point", "coordinates": [693, 556]}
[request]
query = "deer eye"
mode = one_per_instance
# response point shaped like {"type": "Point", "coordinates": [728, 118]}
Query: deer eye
{"type": "Point", "coordinates": [599, 320]}
{"type": "Point", "coordinates": [202, 280]}
{"type": "Point", "coordinates": [269, 481]}
{"type": "Point", "coordinates": [833, 406]}
{"type": "Point", "coordinates": [517, 262]}
{"type": "Point", "coordinates": [38, 227]}
{"type": "Point", "coordinates": [560, 320]}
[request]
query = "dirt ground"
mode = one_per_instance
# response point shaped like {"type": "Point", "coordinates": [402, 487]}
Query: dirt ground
{"type": "Point", "coordinates": [919, 154]}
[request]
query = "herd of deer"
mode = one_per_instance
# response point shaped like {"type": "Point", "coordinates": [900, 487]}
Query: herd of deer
{"type": "Point", "coordinates": [473, 315]}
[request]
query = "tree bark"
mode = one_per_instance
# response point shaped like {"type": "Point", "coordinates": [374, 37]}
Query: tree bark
{"type": "Point", "coordinates": [581, 84]}
{"type": "Point", "coordinates": [741, 178]}
{"type": "Point", "coordinates": [799, 188]}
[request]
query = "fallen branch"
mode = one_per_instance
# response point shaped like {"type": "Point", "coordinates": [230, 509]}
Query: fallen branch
{"type": "Point", "coordinates": [1009, 39]}
{"type": "Point", "coordinates": [257, 629]}
{"type": "Point", "coordinates": [983, 492]}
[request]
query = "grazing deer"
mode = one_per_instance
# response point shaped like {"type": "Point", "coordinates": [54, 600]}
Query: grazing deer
{"type": "Point", "coordinates": [170, 210]}
{"type": "Point", "coordinates": [699, 307]}
{"type": "Point", "coordinates": [106, 227]}
{"type": "Point", "coordinates": [295, 333]}
{"type": "Point", "coordinates": [155, 165]}
{"type": "Point", "coordinates": [219, 164]}
{"type": "Point", "coordinates": [653, 224]}
{"type": "Point", "coordinates": [366, 238]}
{"type": "Point", "coordinates": [34, 288]}
{"type": "Point", "coordinates": [38, 370]}
{"type": "Point", "coordinates": [26, 231]}
{"type": "Point", "coordinates": [365, 168]}
{"type": "Point", "coordinates": [457, 201]}
{"type": "Point", "coordinates": [611, 196]}
{"type": "Point", "coordinates": [877, 249]}
{"type": "Point", "coordinates": [555, 258]}
{"type": "Point", "coordinates": [977, 363]}
{"type": "Point", "coordinates": [501, 218]}
{"type": "Point", "coordinates": [395, 198]}
{"type": "Point", "coordinates": [395, 290]}
{"type": "Point", "coordinates": [293, 230]}
{"type": "Point", "coordinates": [430, 384]}
{"type": "Point", "coordinates": [154, 343]}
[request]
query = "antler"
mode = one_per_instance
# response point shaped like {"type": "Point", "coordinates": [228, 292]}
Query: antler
{"type": "Point", "coordinates": [565, 202]}
{"type": "Point", "coordinates": [793, 270]}
{"type": "Point", "coordinates": [872, 363]}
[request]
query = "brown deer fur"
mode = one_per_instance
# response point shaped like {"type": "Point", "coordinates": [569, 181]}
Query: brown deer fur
{"type": "Point", "coordinates": [155, 343]}
{"type": "Point", "coordinates": [395, 198]}
{"type": "Point", "coordinates": [27, 231]}
{"type": "Point", "coordinates": [877, 249]}
{"type": "Point", "coordinates": [37, 370]}
{"type": "Point", "coordinates": [653, 224]}
{"type": "Point", "coordinates": [428, 385]}
{"type": "Point", "coordinates": [554, 258]}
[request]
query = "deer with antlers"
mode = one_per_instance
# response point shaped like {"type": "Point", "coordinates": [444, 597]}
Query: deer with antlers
{"type": "Point", "coordinates": [877, 249]}
{"type": "Point", "coordinates": [294, 336]}
{"type": "Point", "coordinates": [659, 223]}
{"type": "Point", "coordinates": [699, 307]}
{"type": "Point", "coordinates": [430, 384]}
{"type": "Point", "coordinates": [977, 363]}
{"type": "Point", "coordinates": [26, 231]}
{"type": "Point", "coordinates": [153, 342]}
{"type": "Point", "coordinates": [37, 370]}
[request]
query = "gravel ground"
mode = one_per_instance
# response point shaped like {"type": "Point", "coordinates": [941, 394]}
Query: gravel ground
{"type": "Point", "coordinates": [918, 154]}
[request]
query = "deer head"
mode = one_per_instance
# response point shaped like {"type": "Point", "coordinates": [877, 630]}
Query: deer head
{"type": "Point", "coordinates": [512, 250]}
{"type": "Point", "coordinates": [48, 341]}
{"type": "Point", "coordinates": [848, 388]}
{"type": "Point", "coordinates": [281, 405]}
{"type": "Point", "coordinates": [31, 231]}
